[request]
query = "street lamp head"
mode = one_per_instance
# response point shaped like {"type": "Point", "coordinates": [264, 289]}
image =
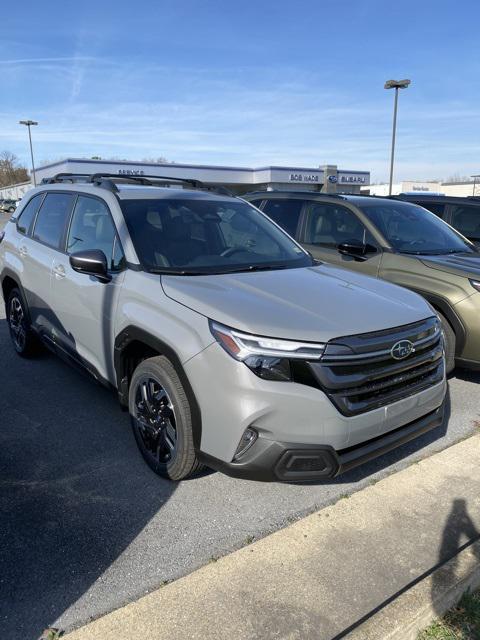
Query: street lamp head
{"type": "Point", "coordinates": [397, 84]}
{"type": "Point", "coordinates": [29, 123]}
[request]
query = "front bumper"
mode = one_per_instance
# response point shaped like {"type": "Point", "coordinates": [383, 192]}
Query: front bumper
{"type": "Point", "coordinates": [270, 460]}
{"type": "Point", "coordinates": [231, 399]}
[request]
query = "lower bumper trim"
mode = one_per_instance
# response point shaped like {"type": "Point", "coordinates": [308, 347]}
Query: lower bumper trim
{"type": "Point", "coordinates": [269, 460]}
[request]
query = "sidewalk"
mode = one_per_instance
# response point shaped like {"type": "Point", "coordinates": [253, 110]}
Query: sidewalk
{"type": "Point", "coordinates": [322, 575]}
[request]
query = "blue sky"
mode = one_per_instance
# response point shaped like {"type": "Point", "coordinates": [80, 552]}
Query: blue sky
{"type": "Point", "coordinates": [245, 83]}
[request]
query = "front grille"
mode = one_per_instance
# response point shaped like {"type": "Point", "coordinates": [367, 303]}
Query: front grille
{"type": "Point", "coordinates": [359, 374]}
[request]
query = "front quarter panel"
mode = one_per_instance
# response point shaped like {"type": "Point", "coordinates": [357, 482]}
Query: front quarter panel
{"type": "Point", "coordinates": [412, 273]}
{"type": "Point", "coordinates": [10, 262]}
{"type": "Point", "coordinates": [143, 304]}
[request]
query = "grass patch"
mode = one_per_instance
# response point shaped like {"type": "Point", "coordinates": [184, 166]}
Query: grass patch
{"type": "Point", "coordinates": [51, 634]}
{"type": "Point", "coordinates": [460, 623]}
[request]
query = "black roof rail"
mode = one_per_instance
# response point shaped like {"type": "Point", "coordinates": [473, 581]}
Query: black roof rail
{"type": "Point", "coordinates": [309, 192]}
{"type": "Point", "coordinates": [98, 178]}
{"type": "Point", "coordinates": [108, 180]}
{"type": "Point", "coordinates": [65, 177]}
{"type": "Point", "coordinates": [149, 180]}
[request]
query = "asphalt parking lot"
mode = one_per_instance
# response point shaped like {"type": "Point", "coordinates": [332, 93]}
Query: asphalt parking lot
{"type": "Point", "coordinates": [86, 526]}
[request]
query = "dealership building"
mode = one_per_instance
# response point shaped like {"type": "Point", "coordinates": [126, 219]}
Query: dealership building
{"type": "Point", "coordinates": [238, 180]}
{"type": "Point", "coordinates": [465, 188]}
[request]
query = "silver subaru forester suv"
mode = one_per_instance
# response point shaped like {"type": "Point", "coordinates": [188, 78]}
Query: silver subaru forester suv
{"type": "Point", "coordinates": [227, 343]}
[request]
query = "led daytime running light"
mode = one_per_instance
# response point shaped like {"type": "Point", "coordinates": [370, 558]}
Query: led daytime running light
{"type": "Point", "coordinates": [242, 345]}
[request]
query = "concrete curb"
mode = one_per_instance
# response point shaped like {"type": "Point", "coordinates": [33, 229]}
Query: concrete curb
{"type": "Point", "coordinates": [319, 578]}
{"type": "Point", "coordinates": [428, 600]}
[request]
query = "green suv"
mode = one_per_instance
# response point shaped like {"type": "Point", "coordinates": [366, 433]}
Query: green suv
{"type": "Point", "coordinates": [397, 241]}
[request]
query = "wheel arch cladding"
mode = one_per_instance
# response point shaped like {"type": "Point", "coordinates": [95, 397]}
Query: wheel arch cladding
{"type": "Point", "coordinates": [10, 282]}
{"type": "Point", "coordinates": [132, 346]}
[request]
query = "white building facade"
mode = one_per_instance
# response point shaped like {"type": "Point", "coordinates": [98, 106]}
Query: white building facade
{"type": "Point", "coordinates": [409, 186]}
{"type": "Point", "coordinates": [239, 180]}
{"type": "Point", "coordinates": [471, 188]}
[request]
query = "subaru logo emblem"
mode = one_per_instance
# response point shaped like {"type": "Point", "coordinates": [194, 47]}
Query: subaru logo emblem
{"type": "Point", "coordinates": [402, 349]}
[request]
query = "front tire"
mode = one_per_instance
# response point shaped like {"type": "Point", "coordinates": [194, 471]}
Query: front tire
{"type": "Point", "coordinates": [23, 339]}
{"type": "Point", "coordinates": [162, 419]}
{"type": "Point", "coordinates": [450, 343]}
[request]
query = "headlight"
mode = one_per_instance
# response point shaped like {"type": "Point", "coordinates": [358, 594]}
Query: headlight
{"type": "Point", "coordinates": [268, 358]}
{"type": "Point", "coordinates": [475, 284]}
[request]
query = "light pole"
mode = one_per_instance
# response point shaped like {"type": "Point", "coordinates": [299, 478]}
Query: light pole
{"type": "Point", "coordinates": [394, 84]}
{"type": "Point", "coordinates": [30, 123]}
{"type": "Point", "coordinates": [474, 183]}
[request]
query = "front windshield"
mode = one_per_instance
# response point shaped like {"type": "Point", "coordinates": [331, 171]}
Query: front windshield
{"type": "Point", "coordinates": [193, 236]}
{"type": "Point", "coordinates": [409, 228]}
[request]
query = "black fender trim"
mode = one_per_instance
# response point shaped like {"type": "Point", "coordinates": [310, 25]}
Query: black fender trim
{"type": "Point", "coordinates": [444, 306]}
{"type": "Point", "coordinates": [8, 273]}
{"type": "Point", "coordinates": [134, 334]}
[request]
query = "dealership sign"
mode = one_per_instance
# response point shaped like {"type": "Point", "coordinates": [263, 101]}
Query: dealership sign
{"type": "Point", "coordinates": [353, 179]}
{"type": "Point", "coordinates": [303, 177]}
{"type": "Point", "coordinates": [131, 172]}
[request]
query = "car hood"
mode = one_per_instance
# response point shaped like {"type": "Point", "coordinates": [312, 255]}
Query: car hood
{"type": "Point", "coordinates": [313, 303]}
{"type": "Point", "coordinates": [461, 264]}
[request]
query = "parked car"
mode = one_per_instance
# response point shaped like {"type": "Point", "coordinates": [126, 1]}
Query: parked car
{"type": "Point", "coordinates": [396, 241]}
{"type": "Point", "coordinates": [226, 342]}
{"type": "Point", "coordinates": [461, 213]}
{"type": "Point", "coordinates": [8, 206]}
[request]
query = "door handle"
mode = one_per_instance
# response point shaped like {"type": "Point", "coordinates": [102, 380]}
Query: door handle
{"type": "Point", "coordinates": [23, 250]}
{"type": "Point", "coordinates": [59, 271]}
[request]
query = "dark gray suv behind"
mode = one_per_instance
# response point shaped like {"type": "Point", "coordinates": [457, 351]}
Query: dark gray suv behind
{"type": "Point", "coordinates": [461, 213]}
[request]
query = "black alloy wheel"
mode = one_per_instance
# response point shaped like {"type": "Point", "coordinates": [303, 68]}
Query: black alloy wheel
{"type": "Point", "coordinates": [23, 338]}
{"type": "Point", "coordinates": [155, 415]}
{"type": "Point", "coordinates": [161, 419]}
{"type": "Point", "coordinates": [17, 323]}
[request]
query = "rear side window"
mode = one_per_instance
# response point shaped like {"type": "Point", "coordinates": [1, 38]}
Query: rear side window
{"type": "Point", "coordinates": [466, 219]}
{"type": "Point", "coordinates": [330, 225]}
{"type": "Point", "coordinates": [285, 213]}
{"type": "Point", "coordinates": [24, 222]}
{"type": "Point", "coordinates": [52, 218]}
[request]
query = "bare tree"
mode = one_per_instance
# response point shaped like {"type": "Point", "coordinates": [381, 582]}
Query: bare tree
{"type": "Point", "coordinates": [457, 177]}
{"type": "Point", "coordinates": [159, 160]}
{"type": "Point", "coordinates": [11, 171]}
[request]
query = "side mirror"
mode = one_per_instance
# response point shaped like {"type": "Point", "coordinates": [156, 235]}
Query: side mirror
{"type": "Point", "coordinates": [91, 263]}
{"type": "Point", "coordinates": [356, 249]}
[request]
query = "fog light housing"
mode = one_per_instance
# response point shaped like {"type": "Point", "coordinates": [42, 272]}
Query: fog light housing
{"type": "Point", "coordinates": [306, 464]}
{"type": "Point", "coordinates": [270, 368]}
{"type": "Point", "coordinates": [248, 438]}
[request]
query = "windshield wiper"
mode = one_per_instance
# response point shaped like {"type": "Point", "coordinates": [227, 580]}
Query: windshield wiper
{"type": "Point", "coordinates": [439, 252]}
{"type": "Point", "coordinates": [254, 267]}
{"type": "Point", "coordinates": [177, 272]}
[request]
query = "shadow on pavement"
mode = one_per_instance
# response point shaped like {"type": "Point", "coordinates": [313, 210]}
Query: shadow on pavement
{"type": "Point", "coordinates": [459, 528]}
{"type": "Point", "coordinates": [467, 375]}
{"type": "Point", "coordinates": [74, 490]}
